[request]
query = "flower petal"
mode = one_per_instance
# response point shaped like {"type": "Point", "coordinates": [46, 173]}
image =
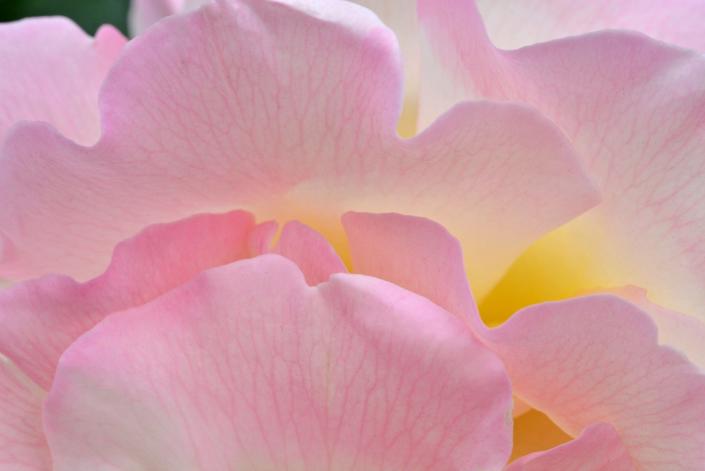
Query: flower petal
{"type": "Point", "coordinates": [144, 13]}
{"type": "Point", "coordinates": [401, 17]}
{"type": "Point", "coordinates": [683, 333]}
{"type": "Point", "coordinates": [41, 318]}
{"type": "Point", "coordinates": [310, 251]}
{"type": "Point", "coordinates": [401, 20]}
{"type": "Point", "coordinates": [260, 105]}
{"type": "Point", "coordinates": [678, 22]}
{"type": "Point", "coordinates": [634, 109]}
{"type": "Point", "coordinates": [22, 443]}
{"type": "Point", "coordinates": [52, 71]}
{"type": "Point", "coordinates": [596, 359]}
{"type": "Point", "coordinates": [414, 253]}
{"type": "Point", "coordinates": [247, 367]}
{"type": "Point", "coordinates": [598, 448]}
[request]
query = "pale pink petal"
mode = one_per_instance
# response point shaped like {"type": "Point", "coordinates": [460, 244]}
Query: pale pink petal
{"type": "Point", "coordinates": [288, 110]}
{"type": "Point", "coordinates": [596, 359]}
{"type": "Point", "coordinates": [41, 318]}
{"type": "Point", "coordinates": [682, 332]}
{"type": "Point", "coordinates": [144, 13]}
{"type": "Point", "coordinates": [401, 17]}
{"type": "Point", "coordinates": [261, 238]}
{"type": "Point", "coordinates": [598, 448]}
{"type": "Point", "coordinates": [415, 253]}
{"type": "Point", "coordinates": [512, 24]}
{"type": "Point", "coordinates": [477, 172]}
{"type": "Point", "coordinates": [52, 71]}
{"type": "Point", "coordinates": [248, 367]}
{"type": "Point", "coordinates": [310, 251]}
{"type": "Point", "coordinates": [634, 109]}
{"type": "Point", "coordinates": [22, 443]}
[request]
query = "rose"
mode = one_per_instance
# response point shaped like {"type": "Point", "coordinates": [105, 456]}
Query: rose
{"type": "Point", "coordinates": [246, 366]}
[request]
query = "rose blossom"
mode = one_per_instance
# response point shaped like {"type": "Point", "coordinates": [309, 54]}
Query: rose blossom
{"type": "Point", "coordinates": [210, 341]}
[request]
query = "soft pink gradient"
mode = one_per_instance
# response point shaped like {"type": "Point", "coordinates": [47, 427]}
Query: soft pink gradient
{"type": "Point", "coordinates": [682, 332]}
{"type": "Point", "coordinates": [311, 252]}
{"type": "Point", "coordinates": [249, 367]}
{"type": "Point", "coordinates": [633, 108]}
{"type": "Point", "coordinates": [415, 253]}
{"type": "Point", "coordinates": [592, 364]}
{"type": "Point", "coordinates": [583, 362]}
{"type": "Point", "coordinates": [144, 13]}
{"type": "Point", "coordinates": [41, 318]}
{"type": "Point", "coordinates": [596, 359]}
{"type": "Point", "coordinates": [260, 105]}
{"type": "Point", "coordinates": [512, 24]}
{"type": "Point", "coordinates": [183, 355]}
{"type": "Point", "coordinates": [22, 443]}
{"type": "Point", "coordinates": [52, 71]}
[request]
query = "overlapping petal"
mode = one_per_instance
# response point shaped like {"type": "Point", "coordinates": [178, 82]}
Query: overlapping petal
{"type": "Point", "coordinates": [633, 108]}
{"type": "Point", "coordinates": [310, 251]}
{"type": "Point", "coordinates": [144, 13]}
{"type": "Point", "coordinates": [593, 364]}
{"type": "Point", "coordinates": [596, 359]}
{"type": "Point", "coordinates": [598, 448]}
{"type": "Point", "coordinates": [682, 332]}
{"type": "Point", "coordinates": [52, 71]}
{"type": "Point", "coordinates": [415, 253]}
{"type": "Point", "coordinates": [262, 105]}
{"type": "Point", "coordinates": [512, 24]}
{"type": "Point", "coordinates": [249, 367]}
{"type": "Point", "coordinates": [400, 17]}
{"type": "Point", "coordinates": [41, 318]}
{"type": "Point", "coordinates": [583, 361]}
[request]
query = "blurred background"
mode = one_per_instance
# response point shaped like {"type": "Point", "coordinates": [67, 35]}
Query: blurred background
{"type": "Point", "coordinates": [90, 14]}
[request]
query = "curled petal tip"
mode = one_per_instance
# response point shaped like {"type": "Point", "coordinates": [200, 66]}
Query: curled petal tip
{"type": "Point", "coordinates": [109, 40]}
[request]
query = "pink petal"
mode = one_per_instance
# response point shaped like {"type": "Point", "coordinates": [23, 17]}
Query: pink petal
{"type": "Point", "coordinates": [596, 359]}
{"type": "Point", "coordinates": [415, 253]}
{"type": "Point", "coordinates": [677, 21]}
{"type": "Point", "coordinates": [598, 448]}
{"type": "Point", "coordinates": [22, 443]}
{"type": "Point", "coordinates": [261, 238]}
{"type": "Point", "coordinates": [144, 13]}
{"type": "Point", "coordinates": [41, 318]}
{"type": "Point", "coordinates": [248, 367]}
{"type": "Point", "coordinates": [289, 112]}
{"type": "Point", "coordinates": [310, 251]}
{"type": "Point", "coordinates": [682, 332]}
{"type": "Point", "coordinates": [402, 21]}
{"type": "Point", "coordinates": [51, 72]}
{"type": "Point", "coordinates": [401, 17]}
{"type": "Point", "coordinates": [633, 108]}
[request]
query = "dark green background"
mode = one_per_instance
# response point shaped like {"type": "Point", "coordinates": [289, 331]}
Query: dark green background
{"type": "Point", "coordinates": [90, 14]}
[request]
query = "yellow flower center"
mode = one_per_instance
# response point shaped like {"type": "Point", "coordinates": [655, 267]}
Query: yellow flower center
{"type": "Point", "coordinates": [534, 431]}
{"type": "Point", "coordinates": [555, 267]}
